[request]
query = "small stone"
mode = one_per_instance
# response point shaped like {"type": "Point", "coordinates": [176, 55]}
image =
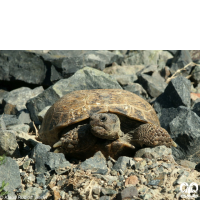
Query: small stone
{"type": "Point", "coordinates": [132, 180]}
{"type": "Point", "coordinates": [127, 193]}
{"type": "Point", "coordinates": [108, 191]}
{"type": "Point", "coordinates": [27, 163]}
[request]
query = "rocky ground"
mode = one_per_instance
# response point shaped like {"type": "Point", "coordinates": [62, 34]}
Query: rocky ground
{"type": "Point", "coordinates": [31, 81]}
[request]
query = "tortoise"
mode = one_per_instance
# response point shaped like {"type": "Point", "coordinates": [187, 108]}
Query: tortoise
{"type": "Point", "coordinates": [113, 121]}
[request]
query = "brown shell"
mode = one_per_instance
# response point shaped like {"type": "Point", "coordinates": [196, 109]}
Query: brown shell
{"type": "Point", "coordinates": [81, 104]}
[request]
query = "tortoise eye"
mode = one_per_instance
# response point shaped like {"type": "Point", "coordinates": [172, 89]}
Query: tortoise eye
{"type": "Point", "coordinates": [103, 119]}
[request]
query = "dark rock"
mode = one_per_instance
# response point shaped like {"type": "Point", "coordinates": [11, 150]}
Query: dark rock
{"type": "Point", "coordinates": [39, 155]}
{"type": "Point", "coordinates": [9, 172]}
{"type": "Point", "coordinates": [137, 89]}
{"type": "Point", "coordinates": [196, 107]}
{"type": "Point", "coordinates": [84, 79]}
{"type": "Point", "coordinates": [185, 130]}
{"type": "Point", "coordinates": [10, 120]}
{"type": "Point", "coordinates": [45, 160]}
{"type": "Point", "coordinates": [152, 81]}
{"type": "Point", "coordinates": [176, 94]}
{"type": "Point", "coordinates": [95, 163]}
{"type": "Point", "coordinates": [8, 144]}
{"type": "Point", "coordinates": [181, 58]}
{"type": "Point", "coordinates": [122, 163]}
{"type": "Point", "coordinates": [21, 66]}
{"type": "Point", "coordinates": [196, 74]}
{"type": "Point", "coordinates": [40, 179]}
{"type": "Point", "coordinates": [173, 52]}
{"type": "Point", "coordinates": [101, 171]}
{"type": "Point", "coordinates": [128, 193]}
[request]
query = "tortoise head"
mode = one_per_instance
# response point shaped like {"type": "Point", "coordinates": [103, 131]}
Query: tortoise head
{"type": "Point", "coordinates": [105, 126]}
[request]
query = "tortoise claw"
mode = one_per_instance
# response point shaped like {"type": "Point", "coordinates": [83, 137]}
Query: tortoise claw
{"type": "Point", "coordinates": [56, 151]}
{"type": "Point", "coordinates": [57, 144]}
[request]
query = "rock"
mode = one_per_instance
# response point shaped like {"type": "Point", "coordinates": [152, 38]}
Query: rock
{"type": "Point", "coordinates": [20, 127]}
{"type": "Point", "coordinates": [185, 130]}
{"type": "Point", "coordinates": [24, 117]}
{"type": "Point", "coordinates": [152, 81]}
{"type": "Point", "coordinates": [196, 107]}
{"type": "Point", "coordinates": [21, 66]}
{"type": "Point", "coordinates": [9, 173]}
{"type": "Point", "coordinates": [176, 94]}
{"type": "Point", "coordinates": [122, 163]}
{"type": "Point", "coordinates": [180, 60]}
{"type": "Point", "coordinates": [42, 113]}
{"type": "Point", "coordinates": [94, 163]}
{"type": "Point", "coordinates": [195, 75]}
{"type": "Point", "coordinates": [15, 100]}
{"type": "Point", "coordinates": [187, 163]}
{"type": "Point", "coordinates": [84, 79]}
{"type": "Point", "coordinates": [128, 193]}
{"type": "Point", "coordinates": [104, 198]}
{"type": "Point", "coordinates": [45, 160]}
{"type": "Point", "coordinates": [33, 193]}
{"type": "Point", "coordinates": [137, 89]}
{"type": "Point", "coordinates": [67, 63]}
{"type": "Point", "coordinates": [156, 152]}
{"type": "Point", "coordinates": [195, 55]}
{"type": "Point", "coordinates": [8, 144]}
{"type": "Point", "coordinates": [124, 80]}
{"type": "Point", "coordinates": [108, 191]}
{"type": "Point", "coordinates": [132, 180]}
{"type": "Point", "coordinates": [10, 120]}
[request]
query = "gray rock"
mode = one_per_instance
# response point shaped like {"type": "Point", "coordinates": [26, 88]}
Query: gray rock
{"type": "Point", "coordinates": [15, 100]}
{"type": "Point", "coordinates": [176, 94]}
{"type": "Point", "coordinates": [196, 74]}
{"type": "Point", "coordinates": [40, 179]}
{"type": "Point", "coordinates": [94, 163]}
{"type": "Point", "coordinates": [128, 193]}
{"type": "Point", "coordinates": [21, 66]}
{"type": "Point", "coordinates": [62, 167]}
{"type": "Point", "coordinates": [42, 113]}
{"type": "Point", "coordinates": [10, 120]}
{"type": "Point", "coordinates": [122, 163]}
{"type": "Point", "coordinates": [196, 107]}
{"type": "Point", "coordinates": [9, 172]}
{"type": "Point", "coordinates": [86, 78]}
{"type": "Point", "coordinates": [124, 80]}
{"type": "Point", "coordinates": [108, 191]}
{"type": "Point", "coordinates": [187, 163]}
{"type": "Point", "coordinates": [8, 144]}
{"type": "Point", "coordinates": [185, 129]}
{"type": "Point", "coordinates": [154, 84]}
{"type": "Point", "coordinates": [24, 117]}
{"type": "Point", "coordinates": [137, 89]}
{"type": "Point", "coordinates": [181, 58]}
{"type": "Point", "coordinates": [45, 160]}
{"type": "Point", "coordinates": [156, 152]}
{"type": "Point", "coordinates": [20, 127]}
{"type": "Point", "coordinates": [104, 198]}
{"type": "Point", "coordinates": [33, 193]}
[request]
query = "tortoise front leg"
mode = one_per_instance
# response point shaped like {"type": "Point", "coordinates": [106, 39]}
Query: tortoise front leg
{"type": "Point", "coordinates": [150, 135]}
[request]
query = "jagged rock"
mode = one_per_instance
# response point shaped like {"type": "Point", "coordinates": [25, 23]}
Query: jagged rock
{"type": "Point", "coordinates": [10, 120]}
{"type": "Point", "coordinates": [185, 130]}
{"type": "Point", "coordinates": [97, 162]}
{"type": "Point", "coordinates": [122, 163]}
{"type": "Point", "coordinates": [8, 144]}
{"type": "Point", "coordinates": [42, 113]}
{"type": "Point", "coordinates": [176, 94]}
{"type": "Point", "coordinates": [196, 107]}
{"type": "Point", "coordinates": [196, 75]}
{"type": "Point", "coordinates": [23, 66]}
{"type": "Point", "coordinates": [20, 127]}
{"type": "Point", "coordinates": [137, 89]}
{"type": "Point", "coordinates": [15, 100]}
{"type": "Point", "coordinates": [84, 79]}
{"type": "Point", "coordinates": [181, 58]}
{"type": "Point", "coordinates": [147, 58]}
{"type": "Point", "coordinates": [151, 80]}
{"type": "Point", "coordinates": [45, 160]}
{"type": "Point", "coordinates": [68, 62]}
{"type": "Point", "coordinates": [128, 193]}
{"type": "Point", "coordinates": [9, 172]}
{"type": "Point", "coordinates": [24, 117]}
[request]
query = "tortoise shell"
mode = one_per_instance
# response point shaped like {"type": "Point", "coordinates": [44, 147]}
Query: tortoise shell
{"type": "Point", "coordinates": [79, 105]}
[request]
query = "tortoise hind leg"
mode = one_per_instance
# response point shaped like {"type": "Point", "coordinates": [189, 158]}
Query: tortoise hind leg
{"type": "Point", "coordinates": [151, 135]}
